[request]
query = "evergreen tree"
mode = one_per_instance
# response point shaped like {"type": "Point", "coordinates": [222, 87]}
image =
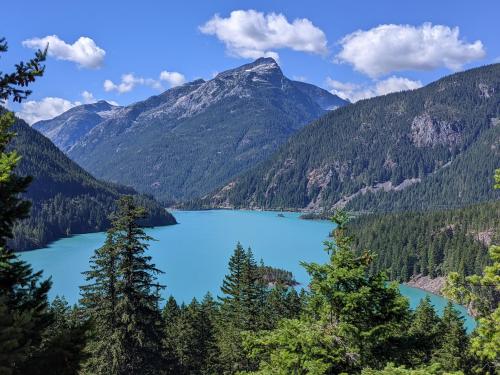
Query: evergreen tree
{"type": "Point", "coordinates": [424, 332]}
{"type": "Point", "coordinates": [252, 294]}
{"type": "Point", "coordinates": [139, 316]}
{"type": "Point", "coordinates": [352, 319]}
{"type": "Point", "coordinates": [171, 314]}
{"type": "Point", "coordinates": [62, 348]}
{"type": "Point", "coordinates": [189, 351]}
{"type": "Point", "coordinates": [122, 299]}
{"type": "Point", "coordinates": [208, 341]}
{"type": "Point", "coordinates": [99, 301]}
{"type": "Point", "coordinates": [240, 309]}
{"type": "Point", "coordinates": [232, 285]}
{"type": "Point", "coordinates": [452, 353]}
{"type": "Point", "coordinates": [482, 292]}
{"type": "Point", "coordinates": [24, 311]}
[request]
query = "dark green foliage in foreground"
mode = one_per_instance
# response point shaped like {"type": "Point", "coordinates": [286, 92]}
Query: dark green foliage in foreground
{"type": "Point", "coordinates": [24, 311]}
{"type": "Point", "coordinates": [354, 321]}
{"type": "Point", "coordinates": [206, 337]}
{"type": "Point", "coordinates": [65, 199]}
{"type": "Point", "coordinates": [482, 292]}
{"type": "Point", "coordinates": [429, 243]}
{"type": "Point", "coordinates": [62, 349]}
{"type": "Point", "coordinates": [122, 300]}
{"type": "Point", "coordinates": [29, 329]}
{"type": "Point", "coordinates": [445, 134]}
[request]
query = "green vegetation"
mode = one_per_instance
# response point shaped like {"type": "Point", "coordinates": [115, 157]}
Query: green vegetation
{"type": "Point", "coordinates": [65, 199]}
{"type": "Point", "coordinates": [482, 293]}
{"type": "Point", "coordinates": [122, 299]}
{"type": "Point", "coordinates": [350, 320]}
{"type": "Point", "coordinates": [429, 243]}
{"type": "Point", "coordinates": [445, 134]}
{"type": "Point", "coordinates": [33, 335]}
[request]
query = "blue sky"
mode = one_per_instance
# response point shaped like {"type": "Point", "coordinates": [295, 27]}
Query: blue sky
{"type": "Point", "coordinates": [339, 45]}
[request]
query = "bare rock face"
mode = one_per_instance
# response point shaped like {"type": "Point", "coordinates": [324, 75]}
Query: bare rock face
{"type": "Point", "coordinates": [429, 132]}
{"type": "Point", "coordinates": [427, 283]}
{"type": "Point", "coordinates": [486, 91]}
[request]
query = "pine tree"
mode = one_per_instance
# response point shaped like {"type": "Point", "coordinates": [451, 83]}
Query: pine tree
{"type": "Point", "coordinates": [424, 332]}
{"type": "Point", "coordinates": [452, 353]}
{"type": "Point", "coordinates": [99, 301]}
{"type": "Point", "coordinates": [122, 299]}
{"type": "Point", "coordinates": [241, 309]}
{"type": "Point", "coordinates": [24, 311]}
{"type": "Point", "coordinates": [232, 285]}
{"type": "Point", "coordinates": [207, 326]}
{"type": "Point", "coordinates": [252, 294]}
{"type": "Point", "coordinates": [171, 314]}
{"type": "Point", "coordinates": [139, 317]}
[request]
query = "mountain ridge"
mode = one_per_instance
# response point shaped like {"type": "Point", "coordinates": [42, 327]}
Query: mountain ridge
{"type": "Point", "coordinates": [380, 153]}
{"type": "Point", "coordinates": [65, 198]}
{"type": "Point", "coordinates": [192, 138]}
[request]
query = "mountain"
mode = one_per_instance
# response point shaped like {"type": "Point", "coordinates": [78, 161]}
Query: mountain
{"type": "Point", "coordinates": [322, 97]}
{"type": "Point", "coordinates": [67, 129]}
{"type": "Point", "coordinates": [195, 137]}
{"type": "Point", "coordinates": [65, 198]}
{"type": "Point", "coordinates": [437, 146]}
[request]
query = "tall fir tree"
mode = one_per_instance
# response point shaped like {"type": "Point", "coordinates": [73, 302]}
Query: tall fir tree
{"type": "Point", "coordinates": [241, 309]}
{"type": "Point", "coordinates": [122, 299]}
{"type": "Point", "coordinates": [99, 301]}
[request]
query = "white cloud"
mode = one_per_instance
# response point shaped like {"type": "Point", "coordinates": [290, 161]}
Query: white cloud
{"type": "Point", "coordinates": [389, 48]}
{"type": "Point", "coordinates": [47, 108]}
{"type": "Point", "coordinates": [172, 78]}
{"type": "Point", "coordinates": [300, 78]}
{"type": "Point", "coordinates": [88, 97]}
{"type": "Point", "coordinates": [252, 34]}
{"type": "Point", "coordinates": [355, 92]}
{"type": "Point", "coordinates": [129, 81]}
{"type": "Point", "coordinates": [84, 51]}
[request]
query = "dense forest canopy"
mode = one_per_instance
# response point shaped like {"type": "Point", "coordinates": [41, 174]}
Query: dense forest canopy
{"type": "Point", "coordinates": [432, 243]}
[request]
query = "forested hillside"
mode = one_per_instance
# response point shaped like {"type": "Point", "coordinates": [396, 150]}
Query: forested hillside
{"type": "Point", "coordinates": [65, 199]}
{"type": "Point", "coordinates": [433, 147]}
{"type": "Point", "coordinates": [192, 138]}
{"type": "Point", "coordinates": [431, 244]}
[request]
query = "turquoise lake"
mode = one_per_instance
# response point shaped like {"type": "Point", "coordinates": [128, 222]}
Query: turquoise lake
{"type": "Point", "coordinates": [194, 254]}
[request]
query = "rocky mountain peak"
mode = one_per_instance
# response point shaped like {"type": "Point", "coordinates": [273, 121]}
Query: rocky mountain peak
{"type": "Point", "coordinates": [260, 68]}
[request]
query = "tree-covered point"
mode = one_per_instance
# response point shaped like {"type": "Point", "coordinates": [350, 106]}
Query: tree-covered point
{"type": "Point", "coordinates": [429, 243]}
{"type": "Point", "coordinates": [65, 199]}
{"type": "Point", "coordinates": [432, 147]}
